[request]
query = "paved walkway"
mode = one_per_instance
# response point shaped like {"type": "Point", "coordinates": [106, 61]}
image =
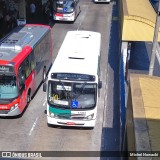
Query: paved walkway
{"type": "Point", "coordinates": [146, 110]}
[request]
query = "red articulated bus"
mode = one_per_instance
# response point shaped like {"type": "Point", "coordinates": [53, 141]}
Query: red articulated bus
{"type": "Point", "coordinates": [25, 59]}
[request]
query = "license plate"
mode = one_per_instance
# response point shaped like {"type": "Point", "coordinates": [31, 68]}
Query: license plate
{"type": "Point", "coordinates": [62, 18]}
{"type": "Point", "coordinates": [70, 123]}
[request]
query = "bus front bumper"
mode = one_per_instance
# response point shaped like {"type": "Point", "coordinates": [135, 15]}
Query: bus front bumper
{"type": "Point", "coordinates": [102, 0]}
{"type": "Point", "coordinates": [57, 18]}
{"type": "Point", "coordinates": [8, 113]}
{"type": "Point", "coordinates": [75, 123]}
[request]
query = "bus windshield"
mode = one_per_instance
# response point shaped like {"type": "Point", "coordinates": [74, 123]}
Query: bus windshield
{"type": "Point", "coordinates": [66, 6]}
{"type": "Point", "coordinates": [8, 87]}
{"type": "Point", "coordinates": [72, 95]}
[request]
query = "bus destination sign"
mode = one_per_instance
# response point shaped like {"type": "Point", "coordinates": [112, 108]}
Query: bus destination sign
{"type": "Point", "coordinates": [73, 76]}
{"type": "Point", "coordinates": [6, 69]}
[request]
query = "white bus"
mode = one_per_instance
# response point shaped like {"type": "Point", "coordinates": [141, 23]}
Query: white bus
{"type": "Point", "coordinates": [66, 10]}
{"type": "Point", "coordinates": [74, 81]}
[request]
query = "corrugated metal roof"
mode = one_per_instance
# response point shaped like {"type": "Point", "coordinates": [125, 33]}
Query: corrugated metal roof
{"type": "Point", "coordinates": [138, 19]}
{"type": "Point", "coordinates": [150, 88]}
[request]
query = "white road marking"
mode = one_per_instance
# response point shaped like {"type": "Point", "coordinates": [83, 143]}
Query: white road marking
{"type": "Point", "coordinates": [44, 103]}
{"type": "Point", "coordinates": [34, 124]}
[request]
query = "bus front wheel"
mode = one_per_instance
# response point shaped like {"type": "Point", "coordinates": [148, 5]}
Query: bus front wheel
{"type": "Point", "coordinates": [29, 96]}
{"type": "Point", "coordinates": [44, 74]}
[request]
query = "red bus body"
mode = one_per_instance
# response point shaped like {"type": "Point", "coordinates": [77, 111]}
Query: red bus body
{"type": "Point", "coordinates": [25, 59]}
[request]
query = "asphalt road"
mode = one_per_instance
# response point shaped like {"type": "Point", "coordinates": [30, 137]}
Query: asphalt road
{"type": "Point", "coordinates": [31, 133]}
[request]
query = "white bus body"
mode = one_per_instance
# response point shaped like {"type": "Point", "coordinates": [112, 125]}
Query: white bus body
{"type": "Point", "coordinates": [73, 81]}
{"type": "Point", "coordinates": [66, 10]}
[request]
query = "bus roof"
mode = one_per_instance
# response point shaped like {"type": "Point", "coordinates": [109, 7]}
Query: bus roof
{"type": "Point", "coordinates": [21, 36]}
{"type": "Point", "coordinates": [79, 53]}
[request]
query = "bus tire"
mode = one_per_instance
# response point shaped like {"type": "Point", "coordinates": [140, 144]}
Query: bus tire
{"type": "Point", "coordinates": [44, 74]}
{"type": "Point", "coordinates": [49, 125]}
{"type": "Point", "coordinates": [99, 92]}
{"type": "Point", "coordinates": [29, 96]}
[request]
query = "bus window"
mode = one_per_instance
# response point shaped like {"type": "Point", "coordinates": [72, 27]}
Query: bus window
{"type": "Point", "coordinates": [32, 61]}
{"type": "Point", "coordinates": [24, 69]}
{"type": "Point", "coordinates": [21, 78]}
{"type": "Point", "coordinates": [27, 68]}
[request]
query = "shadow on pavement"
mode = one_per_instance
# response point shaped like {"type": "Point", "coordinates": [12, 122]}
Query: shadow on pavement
{"type": "Point", "coordinates": [110, 139]}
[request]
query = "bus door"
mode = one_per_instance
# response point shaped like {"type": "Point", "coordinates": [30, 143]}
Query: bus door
{"type": "Point", "coordinates": [26, 80]}
{"type": "Point", "coordinates": [30, 73]}
{"type": "Point", "coordinates": [22, 90]}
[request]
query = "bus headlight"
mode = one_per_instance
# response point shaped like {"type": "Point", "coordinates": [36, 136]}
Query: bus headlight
{"type": "Point", "coordinates": [71, 15]}
{"type": "Point", "coordinates": [51, 114]}
{"type": "Point", "coordinates": [13, 107]}
{"type": "Point", "coordinates": [90, 116]}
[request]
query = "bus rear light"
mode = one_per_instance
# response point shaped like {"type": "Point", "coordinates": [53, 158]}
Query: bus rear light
{"type": "Point", "coordinates": [59, 15]}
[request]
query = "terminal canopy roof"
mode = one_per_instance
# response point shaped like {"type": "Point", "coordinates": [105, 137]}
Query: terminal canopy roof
{"type": "Point", "coordinates": [138, 19]}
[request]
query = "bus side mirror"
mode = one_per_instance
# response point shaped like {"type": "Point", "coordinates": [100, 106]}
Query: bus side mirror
{"type": "Point", "coordinates": [44, 87]}
{"type": "Point", "coordinates": [22, 79]}
{"type": "Point", "coordinates": [22, 82]}
{"type": "Point", "coordinates": [99, 84]}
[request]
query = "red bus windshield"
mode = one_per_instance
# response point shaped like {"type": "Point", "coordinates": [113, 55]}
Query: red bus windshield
{"type": "Point", "coordinates": [8, 87]}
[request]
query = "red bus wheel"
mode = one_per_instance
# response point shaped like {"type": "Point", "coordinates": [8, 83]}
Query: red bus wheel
{"type": "Point", "coordinates": [28, 97]}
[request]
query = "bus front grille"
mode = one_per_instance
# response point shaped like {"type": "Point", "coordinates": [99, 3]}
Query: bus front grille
{"type": "Point", "coordinates": [78, 118]}
{"type": "Point", "coordinates": [70, 117]}
{"type": "Point", "coordinates": [4, 111]}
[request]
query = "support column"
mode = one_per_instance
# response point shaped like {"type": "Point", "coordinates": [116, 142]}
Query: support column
{"type": "Point", "coordinates": [22, 12]}
{"type": "Point", "coordinates": [123, 93]}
